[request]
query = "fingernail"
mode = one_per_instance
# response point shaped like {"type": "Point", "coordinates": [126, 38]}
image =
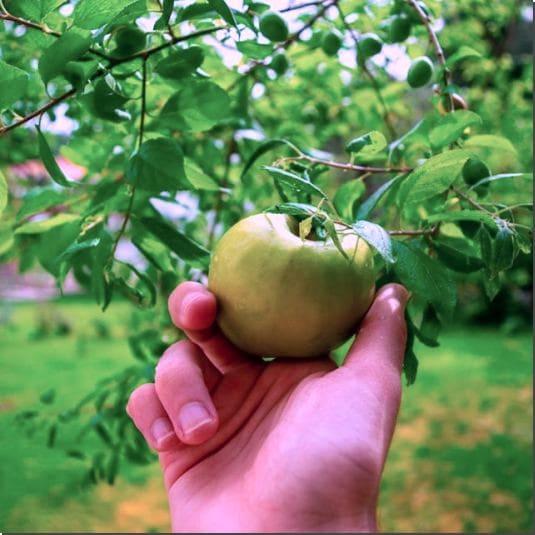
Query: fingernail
{"type": "Point", "coordinates": [162, 430]}
{"type": "Point", "coordinates": [192, 416]}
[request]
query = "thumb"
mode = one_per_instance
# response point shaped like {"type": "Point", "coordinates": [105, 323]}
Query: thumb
{"type": "Point", "coordinates": [380, 343]}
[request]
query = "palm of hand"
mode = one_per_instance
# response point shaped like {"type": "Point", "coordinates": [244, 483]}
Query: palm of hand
{"type": "Point", "coordinates": [286, 443]}
{"type": "Point", "coordinates": [299, 444]}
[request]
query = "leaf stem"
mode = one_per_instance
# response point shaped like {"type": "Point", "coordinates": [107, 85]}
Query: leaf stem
{"type": "Point", "coordinates": [475, 204]}
{"type": "Point", "coordinates": [436, 45]}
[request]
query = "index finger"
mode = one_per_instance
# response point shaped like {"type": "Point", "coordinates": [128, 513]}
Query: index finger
{"type": "Point", "coordinates": [193, 309]}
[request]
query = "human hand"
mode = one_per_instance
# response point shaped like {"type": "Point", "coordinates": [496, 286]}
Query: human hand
{"type": "Point", "coordinates": [289, 445]}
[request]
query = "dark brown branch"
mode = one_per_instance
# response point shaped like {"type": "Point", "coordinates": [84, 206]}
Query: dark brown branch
{"type": "Point", "coordinates": [28, 23]}
{"type": "Point", "coordinates": [301, 6]}
{"type": "Point", "coordinates": [436, 45]}
{"type": "Point", "coordinates": [143, 54]}
{"type": "Point", "coordinates": [40, 111]}
{"type": "Point", "coordinates": [150, 51]}
{"type": "Point", "coordinates": [470, 201]}
{"type": "Point", "coordinates": [44, 29]}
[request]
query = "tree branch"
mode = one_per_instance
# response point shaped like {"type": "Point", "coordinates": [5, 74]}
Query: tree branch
{"type": "Point", "coordinates": [143, 54]}
{"type": "Point", "coordinates": [44, 29]}
{"type": "Point", "coordinates": [255, 64]}
{"type": "Point", "coordinates": [436, 45]}
{"type": "Point", "coordinates": [40, 111]}
{"type": "Point", "coordinates": [373, 81]}
{"type": "Point", "coordinates": [347, 166]}
{"type": "Point", "coordinates": [475, 204]}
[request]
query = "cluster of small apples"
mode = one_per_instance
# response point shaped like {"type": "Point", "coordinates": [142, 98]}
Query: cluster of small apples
{"type": "Point", "coordinates": [396, 29]}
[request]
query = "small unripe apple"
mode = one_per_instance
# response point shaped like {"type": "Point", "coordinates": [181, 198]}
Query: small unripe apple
{"type": "Point", "coordinates": [420, 72]}
{"type": "Point", "coordinates": [283, 296]}
{"type": "Point", "coordinates": [273, 26]}
{"type": "Point", "coordinates": [368, 45]}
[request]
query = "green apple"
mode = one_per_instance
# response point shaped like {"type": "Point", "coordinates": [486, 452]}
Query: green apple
{"type": "Point", "coordinates": [283, 296]}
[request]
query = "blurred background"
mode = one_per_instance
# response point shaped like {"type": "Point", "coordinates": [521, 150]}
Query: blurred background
{"type": "Point", "coordinates": [461, 459]}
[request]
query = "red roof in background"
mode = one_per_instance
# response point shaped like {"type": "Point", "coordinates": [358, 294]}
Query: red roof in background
{"type": "Point", "coordinates": [36, 169]}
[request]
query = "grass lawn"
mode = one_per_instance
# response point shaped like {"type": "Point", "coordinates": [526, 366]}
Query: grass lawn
{"type": "Point", "coordinates": [461, 459]}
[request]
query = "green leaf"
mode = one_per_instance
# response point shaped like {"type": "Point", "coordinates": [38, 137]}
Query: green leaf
{"type": "Point", "coordinates": [457, 254]}
{"type": "Point", "coordinates": [128, 13]}
{"type": "Point", "coordinates": [464, 52]}
{"type": "Point", "coordinates": [76, 247]}
{"type": "Point", "coordinates": [203, 104]}
{"type": "Point", "coordinates": [451, 126]}
{"type": "Point", "coordinates": [346, 197]}
{"type": "Point", "coordinates": [504, 246]}
{"type": "Point", "coordinates": [221, 7]}
{"type": "Point", "coordinates": [432, 177]}
{"type": "Point", "coordinates": [183, 246]}
{"type": "Point", "coordinates": [294, 182]}
{"type": "Point", "coordinates": [425, 277]}
{"type": "Point", "coordinates": [410, 361]}
{"type": "Point", "coordinates": [490, 143]}
{"type": "Point", "coordinates": [153, 249]}
{"type": "Point", "coordinates": [181, 63]}
{"type": "Point", "coordinates": [332, 232]}
{"type": "Point", "coordinates": [34, 10]}
{"type": "Point", "coordinates": [254, 50]}
{"type": "Point", "coordinates": [13, 82]}
{"type": "Point", "coordinates": [296, 209]}
{"type": "Point", "coordinates": [463, 215]}
{"type": "Point", "coordinates": [105, 101]}
{"type": "Point", "coordinates": [262, 149]}
{"type": "Point", "coordinates": [39, 199]}
{"type": "Point", "coordinates": [430, 327]}
{"type": "Point", "coordinates": [50, 162]}
{"type": "Point", "coordinates": [4, 193]}
{"type": "Point", "coordinates": [198, 178]}
{"type": "Point", "coordinates": [501, 176]}
{"type": "Point", "coordinates": [91, 14]}
{"type": "Point", "coordinates": [377, 237]}
{"type": "Point", "coordinates": [370, 203]}
{"type": "Point", "coordinates": [167, 10]}
{"type": "Point", "coordinates": [6, 238]}
{"type": "Point", "coordinates": [38, 227]}
{"type": "Point", "coordinates": [368, 144]}
{"type": "Point", "coordinates": [157, 166]}
{"type": "Point", "coordinates": [70, 46]}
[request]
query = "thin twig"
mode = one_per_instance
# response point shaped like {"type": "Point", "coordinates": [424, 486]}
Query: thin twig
{"type": "Point", "coordinates": [368, 73]}
{"type": "Point", "coordinates": [40, 111]}
{"type": "Point", "coordinates": [143, 102]}
{"type": "Point", "coordinates": [44, 29]}
{"type": "Point", "coordinates": [219, 199]}
{"type": "Point", "coordinates": [347, 166]}
{"type": "Point", "coordinates": [113, 63]}
{"type": "Point", "coordinates": [253, 65]}
{"type": "Point", "coordinates": [140, 142]}
{"type": "Point", "coordinates": [436, 45]}
{"type": "Point", "coordinates": [301, 6]}
{"type": "Point", "coordinates": [475, 204]}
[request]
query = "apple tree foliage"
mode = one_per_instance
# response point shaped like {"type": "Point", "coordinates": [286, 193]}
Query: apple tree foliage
{"type": "Point", "coordinates": [405, 122]}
